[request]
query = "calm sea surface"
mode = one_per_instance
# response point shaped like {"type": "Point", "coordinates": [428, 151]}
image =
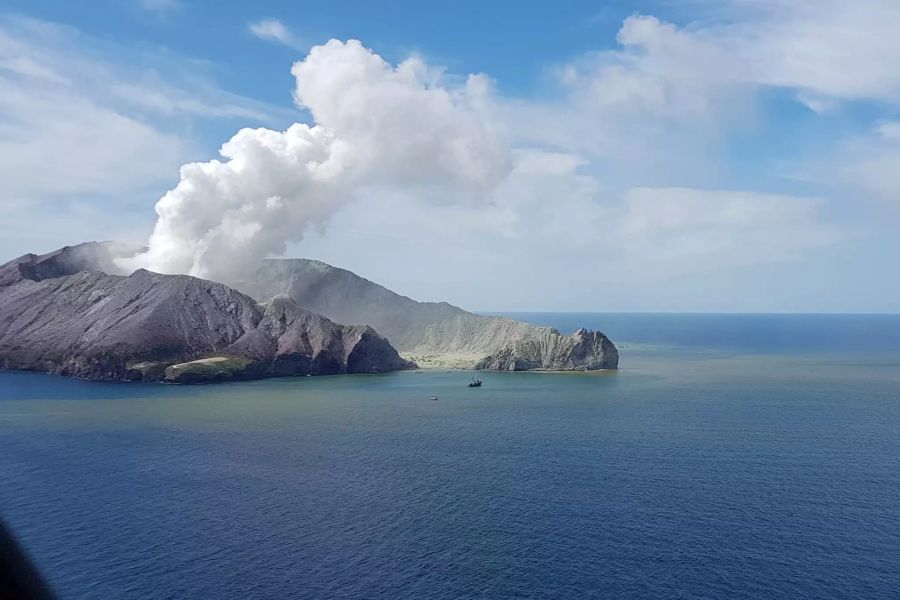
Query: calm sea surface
{"type": "Point", "coordinates": [750, 456]}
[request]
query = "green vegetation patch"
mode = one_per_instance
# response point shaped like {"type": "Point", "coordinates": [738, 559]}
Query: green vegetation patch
{"type": "Point", "coordinates": [215, 368]}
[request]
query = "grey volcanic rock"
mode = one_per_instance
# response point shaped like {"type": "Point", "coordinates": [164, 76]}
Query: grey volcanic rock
{"type": "Point", "coordinates": [476, 334]}
{"type": "Point", "coordinates": [348, 298]}
{"type": "Point", "coordinates": [428, 328]}
{"type": "Point", "coordinates": [57, 318]}
{"type": "Point", "coordinates": [584, 350]}
{"type": "Point", "coordinates": [62, 312]}
{"type": "Point", "coordinates": [90, 256]}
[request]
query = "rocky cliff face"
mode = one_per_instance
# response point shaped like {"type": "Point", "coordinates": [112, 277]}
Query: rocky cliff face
{"type": "Point", "coordinates": [347, 298]}
{"type": "Point", "coordinates": [57, 317]}
{"type": "Point", "coordinates": [499, 343]}
{"type": "Point", "coordinates": [469, 333]}
{"type": "Point", "coordinates": [584, 350]}
{"type": "Point", "coordinates": [436, 333]}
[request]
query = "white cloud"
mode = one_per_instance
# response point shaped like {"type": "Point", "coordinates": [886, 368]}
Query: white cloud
{"type": "Point", "coordinates": [40, 51]}
{"type": "Point", "coordinates": [401, 159]}
{"type": "Point", "coordinates": [552, 238]}
{"type": "Point", "coordinates": [826, 52]}
{"type": "Point", "coordinates": [273, 30]}
{"type": "Point", "coordinates": [660, 71]}
{"type": "Point", "coordinates": [86, 149]}
{"type": "Point", "coordinates": [160, 6]}
{"type": "Point", "coordinates": [617, 178]}
{"type": "Point", "coordinates": [76, 126]}
{"type": "Point", "coordinates": [861, 167]}
{"type": "Point", "coordinates": [869, 163]}
{"type": "Point", "coordinates": [829, 48]}
{"type": "Point", "coordinates": [57, 136]}
{"type": "Point", "coordinates": [680, 227]}
{"type": "Point", "coordinates": [437, 132]}
{"type": "Point", "coordinates": [378, 129]}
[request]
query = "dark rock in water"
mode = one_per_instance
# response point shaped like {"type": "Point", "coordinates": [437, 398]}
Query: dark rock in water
{"type": "Point", "coordinates": [584, 350]}
{"type": "Point", "coordinates": [57, 317]}
{"type": "Point", "coordinates": [441, 332]}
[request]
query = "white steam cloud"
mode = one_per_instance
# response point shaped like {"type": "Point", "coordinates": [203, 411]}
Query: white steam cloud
{"type": "Point", "coordinates": [377, 129]}
{"type": "Point", "coordinates": [437, 162]}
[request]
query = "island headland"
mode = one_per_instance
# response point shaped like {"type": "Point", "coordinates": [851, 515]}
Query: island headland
{"type": "Point", "coordinates": [73, 312]}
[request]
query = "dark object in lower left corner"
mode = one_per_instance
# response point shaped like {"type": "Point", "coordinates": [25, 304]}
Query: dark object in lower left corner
{"type": "Point", "coordinates": [19, 580]}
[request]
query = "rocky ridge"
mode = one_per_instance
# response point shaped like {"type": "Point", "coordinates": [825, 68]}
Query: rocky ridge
{"type": "Point", "coordinates": [59, 314]}
{"type": "Point", "coordinates": [432, 333]}
{"type": "Point", "coordinates": [346, 297]}
{"type": "Point", "coordinates": [584, 350]}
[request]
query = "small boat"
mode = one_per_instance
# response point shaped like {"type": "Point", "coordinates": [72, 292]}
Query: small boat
{"type": "Point", "coordinates": [475, 382]}
{"type": "Point", "coordinates": [433, 398]}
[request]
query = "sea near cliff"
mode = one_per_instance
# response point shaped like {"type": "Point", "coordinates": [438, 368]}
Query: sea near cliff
{"type": "Point", "coordinates": [731, 456]}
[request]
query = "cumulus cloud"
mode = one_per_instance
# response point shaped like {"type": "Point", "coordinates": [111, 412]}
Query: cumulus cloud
{"type": "Point", "coordinates": [623, 171]}
{"type": "Point", "coordinates": [377, 129]}
{"type": "Point", "coordinates": [400, 157]}
{"type": "Point", "coordinates": [616, 173]}
{"type": "Point", "coordinates": [660, 70]}
{"type": "Point", "coordinates": [824, 51]}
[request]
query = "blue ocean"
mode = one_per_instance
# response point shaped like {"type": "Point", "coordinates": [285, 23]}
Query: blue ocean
{"type": "Point", "coordinates": [730, 457]}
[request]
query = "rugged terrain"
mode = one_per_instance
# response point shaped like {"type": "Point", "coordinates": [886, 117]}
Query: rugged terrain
{"type": "Point", "coordinates": [346, 297]}
{"type": "Point", "coordinates": [547, 349]}
{"type": "Point", "coordinates": [73, 312]}
{"type": "Point", "coordinates": [60, 313]}
{"type": "Point", "coordinates": [430, 333]}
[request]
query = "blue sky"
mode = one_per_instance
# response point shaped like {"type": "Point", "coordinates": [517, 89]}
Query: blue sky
{"type": "Point", "coordinates": [685, 156]}
{"type": "Point", "coordinates": [514, 40]}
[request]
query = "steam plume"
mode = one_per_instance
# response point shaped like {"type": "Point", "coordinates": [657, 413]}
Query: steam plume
{"type": "Point", "coordinates": [376, 129]}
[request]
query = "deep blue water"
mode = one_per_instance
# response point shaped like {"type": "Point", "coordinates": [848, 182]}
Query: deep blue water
{"type": "Point", "coordinates": [749, 333]}
{"type": "Point", "coordinates": [745, 456]}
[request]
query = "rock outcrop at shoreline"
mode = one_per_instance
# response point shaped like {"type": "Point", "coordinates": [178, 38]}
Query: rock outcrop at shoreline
{"type": "Point", "coordinates": [503, 344]}
{"type": "Point", "coordinates": [584, 350]}
{"type": "Point", "coordinates": [59, 316]}
{"type": "Point", "coordinates": [432, 333]}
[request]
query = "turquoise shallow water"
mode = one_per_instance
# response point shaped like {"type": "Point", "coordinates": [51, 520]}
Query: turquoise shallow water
{"type": "Point", "coordinates": [707, 467]}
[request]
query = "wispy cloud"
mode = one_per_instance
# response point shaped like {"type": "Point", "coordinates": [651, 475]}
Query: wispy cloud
{"type": "Point", "coordinates": [433, 157]}
{"type": "Point", "coordinates": [160, 6]}
{"type": "Point", "coordinates": [628, 169]}
{"type": "Point", "coordinates": [273, 30]}
{"type": "Point", "coordinates": [80, 125]}
{"type": "Point", "coordinates": [825, 52]}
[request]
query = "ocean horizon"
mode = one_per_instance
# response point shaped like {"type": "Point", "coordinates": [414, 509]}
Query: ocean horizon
{"type": "Point", "coordinates": [730, 456]}
{"type": "Point", "coordinates": [238, 237]}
